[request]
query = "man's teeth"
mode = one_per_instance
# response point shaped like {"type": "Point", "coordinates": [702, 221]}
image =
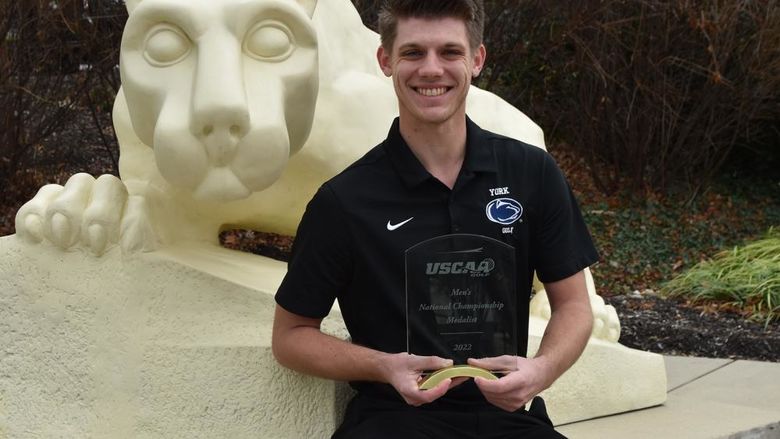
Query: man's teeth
{"type": "Point", "coordinates": [432, 91]}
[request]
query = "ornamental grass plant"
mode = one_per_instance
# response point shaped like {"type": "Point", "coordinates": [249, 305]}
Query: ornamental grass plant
{"type": "Point", "coordinates": [746, 276]}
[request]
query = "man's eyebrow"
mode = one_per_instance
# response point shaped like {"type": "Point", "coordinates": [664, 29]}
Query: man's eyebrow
{"type": "Point", "coordinates": [445, 46]}
{"type": "Point", "coordinates": [409, 46]}
{"type": "Point", "coordinates": [454, 46]}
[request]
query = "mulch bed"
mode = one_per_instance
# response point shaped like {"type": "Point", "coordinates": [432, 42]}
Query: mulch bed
{"type": "Point", "coordinates": [676, 327]}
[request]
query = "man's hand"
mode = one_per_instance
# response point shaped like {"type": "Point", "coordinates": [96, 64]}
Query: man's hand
{"type": "Point", "coordinates": [403, 372]}
{"type": "Point", "coordinates": [512, 391]}
{"type": "Point", "coordinates": [564, 339]}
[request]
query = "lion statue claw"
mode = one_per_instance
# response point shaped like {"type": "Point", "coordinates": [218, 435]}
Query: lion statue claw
{"type": "Point", "coordinates": [93, 213]}
{"type": "Point", "coordinates": [84, 211]}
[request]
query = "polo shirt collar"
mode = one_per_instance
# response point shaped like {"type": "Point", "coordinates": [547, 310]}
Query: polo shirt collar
{"type": "Point", "coordinates": [479, 154]}
{"type": "Point", "coordinates": [479, 151]}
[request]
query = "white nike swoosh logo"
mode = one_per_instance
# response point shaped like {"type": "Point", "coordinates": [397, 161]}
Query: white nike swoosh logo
{"type": "Point", "coordinates": [392, 227]}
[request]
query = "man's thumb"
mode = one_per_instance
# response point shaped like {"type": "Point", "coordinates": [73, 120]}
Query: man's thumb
{"type": "Point", "coordinates": [433, 363]}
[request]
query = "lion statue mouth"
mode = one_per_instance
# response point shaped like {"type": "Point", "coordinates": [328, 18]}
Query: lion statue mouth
{"type": "Point", "coordinates": [221, 184]}
{"type": "Point", "coordinates": [223, 171]}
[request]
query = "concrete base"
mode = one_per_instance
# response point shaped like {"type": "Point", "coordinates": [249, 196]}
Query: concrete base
{"type": "Point", "coordinates": [608, 378]}
{"type": "Point", "coordinates": [708, 399]}
{"type": "Point", "coordinates": [176, 343]}
{"type": "Point", "coordinates": [147, 347]}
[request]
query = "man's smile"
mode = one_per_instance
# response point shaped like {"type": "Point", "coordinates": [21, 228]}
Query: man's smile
{"type": "Point", "coordinates": [437, 91]}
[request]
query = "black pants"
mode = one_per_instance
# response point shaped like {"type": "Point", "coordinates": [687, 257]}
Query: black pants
{"type": "Point", "coordinates": [371, 418]}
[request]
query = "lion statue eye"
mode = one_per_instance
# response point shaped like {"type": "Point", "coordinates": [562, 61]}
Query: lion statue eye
{"type": "Point", "coordinates": [166, 46]}
{"type": "Point", "coordinates": [269, 41]}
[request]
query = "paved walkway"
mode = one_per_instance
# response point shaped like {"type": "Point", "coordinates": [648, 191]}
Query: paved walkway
{"type": "Point", "coordinates": [707, 399]}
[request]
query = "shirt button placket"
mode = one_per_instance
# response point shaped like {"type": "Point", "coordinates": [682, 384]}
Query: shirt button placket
{"type": "Point", "coordinates": [454, 225]}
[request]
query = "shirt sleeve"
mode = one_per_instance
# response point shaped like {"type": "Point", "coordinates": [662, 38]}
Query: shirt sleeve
{"type": "Point", "coordinates": [563, 244]}
{"type": "Point", "coordinates": [321, 261]}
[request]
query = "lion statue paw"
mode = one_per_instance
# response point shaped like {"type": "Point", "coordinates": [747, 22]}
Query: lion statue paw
{"type": "Point", "coordinates": [87, 212]}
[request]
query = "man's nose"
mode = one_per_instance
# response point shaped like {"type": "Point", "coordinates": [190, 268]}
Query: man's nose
{"type": "Point", "coordinates": [431, 65]}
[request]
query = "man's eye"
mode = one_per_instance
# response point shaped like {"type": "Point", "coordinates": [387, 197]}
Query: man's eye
{"type": "Point", "coordinates": [411, 53]}
{"type": "Point", "coordinates": [166, 45]}
{"type": "Point", "coordinates": [269, 41]}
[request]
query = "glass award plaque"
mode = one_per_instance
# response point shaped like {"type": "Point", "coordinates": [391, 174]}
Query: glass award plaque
{"type": "Point", "coordinates": [461, 302]}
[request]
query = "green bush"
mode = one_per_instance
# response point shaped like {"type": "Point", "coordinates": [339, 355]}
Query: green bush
{"type": "Point", "coordinates": [747, 276]}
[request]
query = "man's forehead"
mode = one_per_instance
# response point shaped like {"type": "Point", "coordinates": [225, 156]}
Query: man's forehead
{"type": "Point", "coordinates": [426, 31]}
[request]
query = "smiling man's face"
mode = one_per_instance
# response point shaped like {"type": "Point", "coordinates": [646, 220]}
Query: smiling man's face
{"type": "Point", "coordinates": [432, 66]}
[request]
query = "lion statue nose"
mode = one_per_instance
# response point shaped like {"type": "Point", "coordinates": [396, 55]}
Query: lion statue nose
{"type": "Point", "coordinates": [221, 135]}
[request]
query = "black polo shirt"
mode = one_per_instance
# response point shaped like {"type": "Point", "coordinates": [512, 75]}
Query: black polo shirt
{"type": "Point", "coordinates": [351, 241]}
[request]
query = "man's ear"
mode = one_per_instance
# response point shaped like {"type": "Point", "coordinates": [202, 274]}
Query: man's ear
{"type": "Point", "coordinates": [308, 6]}
{"type": "Point", "coordinates": [479, 60]}
{"type": "Point", "coordinates": [130, 5]}
{"type": "Point", "coordinates": [384, 61]}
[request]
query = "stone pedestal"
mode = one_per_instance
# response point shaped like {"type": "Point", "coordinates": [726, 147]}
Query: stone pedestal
{"type": "Point", "coordinates": [608, 378]}
{"type": "Point", "coordinates": [149, 346]}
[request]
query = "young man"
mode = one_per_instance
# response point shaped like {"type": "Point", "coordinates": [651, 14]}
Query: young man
{"type": "Point", "coordinates": [433, 175]}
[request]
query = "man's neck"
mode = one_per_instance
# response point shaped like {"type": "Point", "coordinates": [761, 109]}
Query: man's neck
{"type": "Point", "coordinates": [440, 148]}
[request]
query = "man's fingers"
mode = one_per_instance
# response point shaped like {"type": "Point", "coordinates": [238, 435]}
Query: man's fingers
{"type": "Point", "coordinates": [436, 392]}
{"type": "Point", "coordinates": [502, 394]}
{"type": "Point", "coordinates": [416, 397]}
{"type": "Point", "coordinates": [406, 377]}
{"type": "Point", "coordinates": [457, 381]}
{"type": "Point", "coordinates": [489, 386]}
{"type": "Point", "coordinates": [502, 363]}
{"type": "Point", "coordinates": [421, 363]}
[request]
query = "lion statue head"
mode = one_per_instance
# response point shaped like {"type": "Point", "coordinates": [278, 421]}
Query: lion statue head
{"type": "Point", "coordinates": [223, 91]}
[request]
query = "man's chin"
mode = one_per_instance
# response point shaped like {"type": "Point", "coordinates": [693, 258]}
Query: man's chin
{"type": "Point", "coordinates": [432, 115]}
{"type": "Point", "coordinates": [435, 117]}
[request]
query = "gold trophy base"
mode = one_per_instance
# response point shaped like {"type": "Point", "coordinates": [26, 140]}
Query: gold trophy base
{"type": "Point", "coordinates": [455, 371]}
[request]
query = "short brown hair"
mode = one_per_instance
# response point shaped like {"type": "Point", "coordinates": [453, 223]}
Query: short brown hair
{"type": "Point", "coordinates": [472, 12]}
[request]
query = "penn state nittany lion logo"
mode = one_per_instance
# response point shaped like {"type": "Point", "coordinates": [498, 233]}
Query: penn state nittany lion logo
{"type": "Point", "coordinates": [504, 211]}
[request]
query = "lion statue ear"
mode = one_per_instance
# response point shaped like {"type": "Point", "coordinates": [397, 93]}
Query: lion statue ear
{"type": "Point", "coordinates": [308, 5]}
{"type": "Point", "coordinates": [131, 4]}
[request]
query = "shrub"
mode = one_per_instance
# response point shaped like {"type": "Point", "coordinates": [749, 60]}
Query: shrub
{"type": "Point", "coordinates": [747, 276]}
